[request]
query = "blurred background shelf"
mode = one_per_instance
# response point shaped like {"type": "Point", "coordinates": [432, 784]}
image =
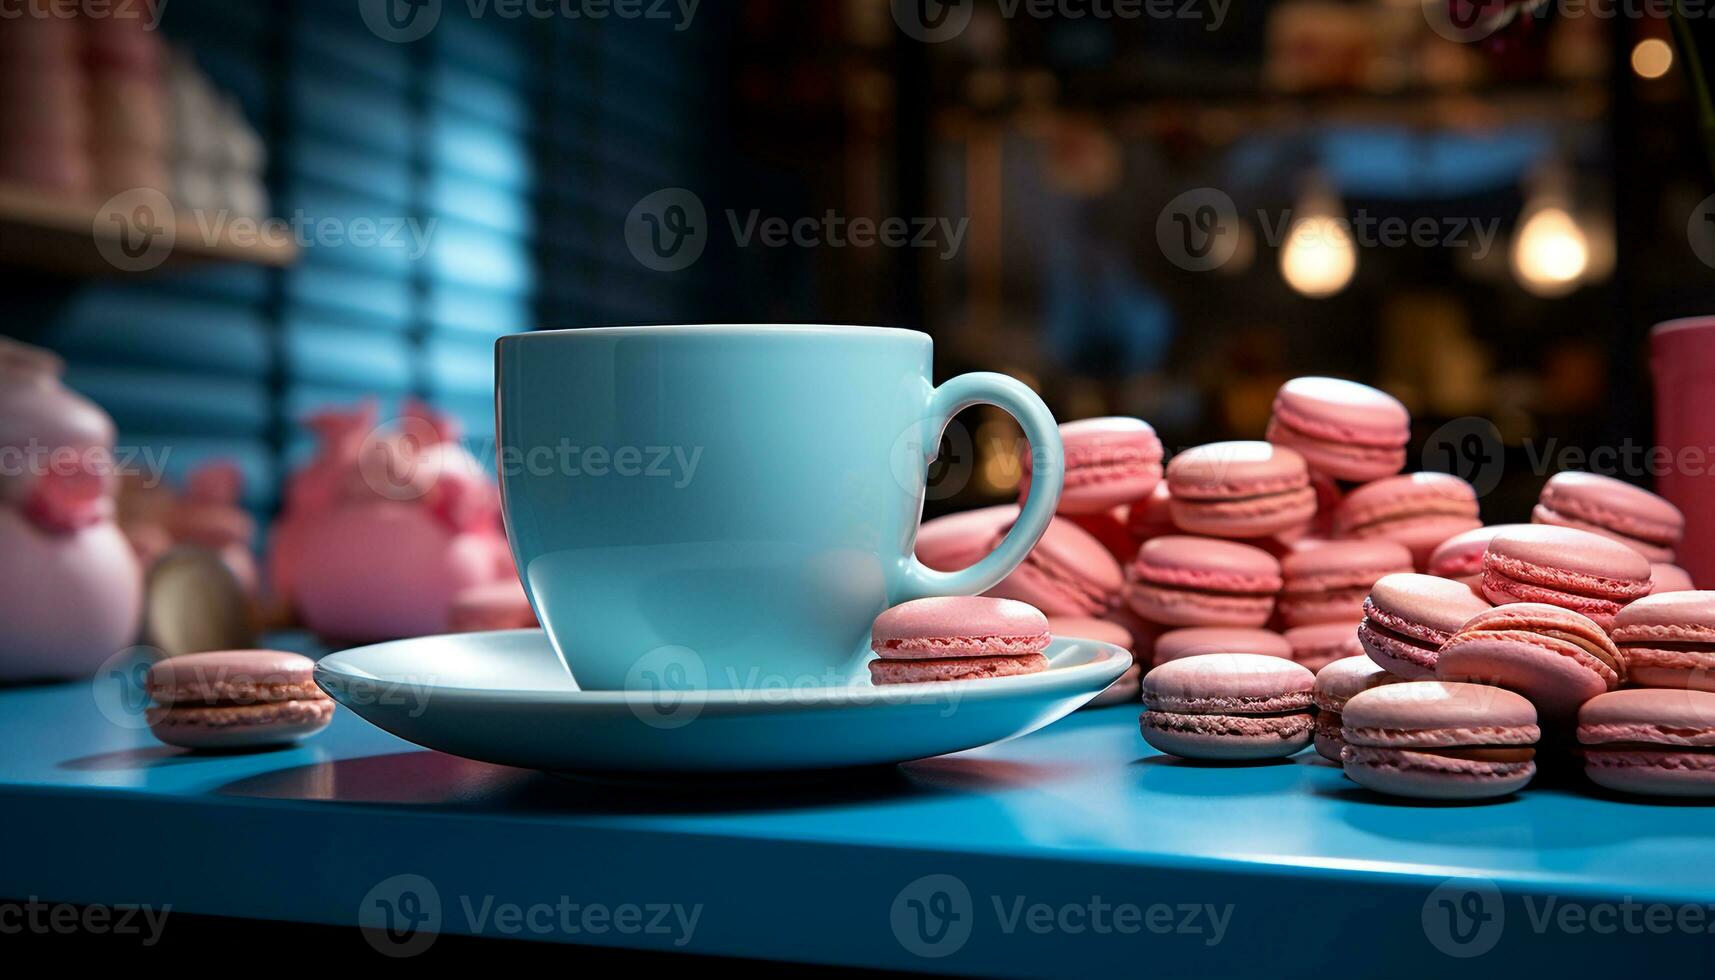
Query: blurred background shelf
{"type": "Point", "coordinates": [66, 237]}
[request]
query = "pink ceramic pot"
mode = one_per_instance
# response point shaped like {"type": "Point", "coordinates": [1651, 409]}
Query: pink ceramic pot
{"type": "Point", "coordinates": [385, 569]}
{"type": "Point", "coordinates": [70, 587]}
{"type": "Point", "coordinates": [1683, 360]}
{"type": "Point", "coordinates": [69, 600]}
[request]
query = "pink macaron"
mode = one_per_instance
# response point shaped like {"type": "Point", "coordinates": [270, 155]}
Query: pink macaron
{"type": "Point", "coordinates": [1240, 490]}
{"type": "Point", "coordinates": [1407, 618]}
{"type": "Point", "coordinates": [1228, 706]}
{"type": "Point", "coordinates": [1320, 644]}
{"type": "Point", "coordinates": [499, 605]}
{"type": "Point", "coordinates": [1577, 570]}
{"type": "Point", "coordinates": [1109, 462]}
{"type": "Point", "coordinates": [1328, 583]}
{"type": "Point", "coordinates": [1553, 656]}
{"type": "Point", "coordinates": [1109, 528]}
{"type": "Point", "coordinates": [1668, 640]}
{"type": "Point", "coordinates": [1461, 556]}
{"type": "Point", "coordinates": [957, 638]}
{"type": "Point", "coordinates": [1186, 581]}
{"type": "Point", "coordinates": [1420, 511]}
{"type": "Point", "coordinates": [958, 541]}
{"type": "Point", "coordinates": [1200, 641]}
{"type": "Point", "coordinates": [236, 699]}
{"type": "Point", "coordinates": [1151, 517]}
{"type": "Point", "coordinates": [1630, 515]}
{"type": "Point", "coordinates": [1125, 689]}
{"type": "Point", "coordinates": [1651, 742]}
{"type": "Point", "coordinates": [1336, 683]}
{"type": "Point", "coordinates": [1669, 578]}
{"type": "Point", "coordinates": [1068, 573]}
{"type": "Point", "coordinates": [1344, 429]}
{"type": "Point", "coordinates": [1440, 741]}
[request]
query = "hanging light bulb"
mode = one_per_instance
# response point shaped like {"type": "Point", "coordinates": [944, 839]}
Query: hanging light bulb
{"type": "Point", "coordinates": [1319, 257]}
{"type": "Point", "coordinates": [1550, 252]}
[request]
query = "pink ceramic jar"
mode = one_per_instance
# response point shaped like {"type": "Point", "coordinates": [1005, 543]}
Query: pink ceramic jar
{"type": "Point", "coordinates": [1683, 360]}
{"type": "Point", "coordinates": [70, 587]}
{"type": "Point", "coordinates": [385, 528]}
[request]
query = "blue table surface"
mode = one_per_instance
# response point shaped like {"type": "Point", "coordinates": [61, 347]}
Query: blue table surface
{"type": "Point", "coordinates": [1079, 810]}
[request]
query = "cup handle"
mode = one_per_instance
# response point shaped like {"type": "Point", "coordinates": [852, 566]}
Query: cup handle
{"type": "Point", "coordinates": [1048, 471]}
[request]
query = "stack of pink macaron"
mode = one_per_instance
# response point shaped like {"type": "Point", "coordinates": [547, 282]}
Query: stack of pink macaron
{"type": "Point", "coordinates": [44, 112]}
{"type": "Point", "coordinates": [1572, 617]}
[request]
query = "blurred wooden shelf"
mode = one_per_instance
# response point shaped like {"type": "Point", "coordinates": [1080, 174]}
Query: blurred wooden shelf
{"type": "Point", "coordinates": [82, 238]}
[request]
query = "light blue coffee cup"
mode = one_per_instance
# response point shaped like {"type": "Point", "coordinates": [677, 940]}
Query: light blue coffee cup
{"type": "Point", "coordinates": [730, 507]}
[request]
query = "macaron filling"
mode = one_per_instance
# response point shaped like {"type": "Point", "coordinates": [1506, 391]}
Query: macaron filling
{"type": "Point", "coordinates": [934, 647]}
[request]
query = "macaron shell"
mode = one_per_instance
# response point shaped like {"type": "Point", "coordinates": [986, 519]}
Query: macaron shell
{"type": "Point", "coordinates": [1675, 774]}
{"type": "Point", "coordinates": [1438, 714]}
{"type": "Point", "coordinates": [1151, 517]}
{"type": "Point", "coordinates": [1343, 679]}
{"type": "Point", "coordinates": [1541, 514]}
{"type": "Point", "coordinates": [1198, 641]}
{"type": "Point", "coordinates": [1419, 775]}
{"type": "Point", "coordinates": [1068, 573]}
{"type": "Point", "coordinates": [1670, 578]}
{"type": "Point", "coordinates": [1329, 744]}
{"type": "Point", "coordinates": [1343, 429]}
{"type": "Point", "coordinates": [959, 626]}
{"type": "Point", "coordinates": [958, 541]}
{"type": "Point", "coordinates": [1088, 628]}
{"type": "Point", "coordinates": [1419, 511]}
{"type": "Point", "coordinates": [1109, 462]}
{"type": "Point", "coordinates": [1227, 738]}
{"type": "Point", "coordinates": [1628, 513]}
{"type": "Point", "coordinates": [1543, 652]}
{"type": "Point", "coordinates": [1318, 645]}
{"type": "Point", "coordinates": [1228, 683]}
{"type": "Point", "coordinates": [1328, 583]}
{"type": "Point", "coordinates": [1276, 513]}
{"type": "Point", "coordinates": [1664, 717]}
{"type": "Point", "coordinates": [1461, 556]}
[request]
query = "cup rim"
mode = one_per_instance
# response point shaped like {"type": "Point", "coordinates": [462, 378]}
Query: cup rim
{"type": "Point", "coordinates": [725, 330]}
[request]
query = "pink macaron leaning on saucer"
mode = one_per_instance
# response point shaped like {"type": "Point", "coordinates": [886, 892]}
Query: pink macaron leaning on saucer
{"type": "Point", "coordinates": [1407, 618]}
{"type": "Point", "coordinates": [1228, 707]}
{"type": "Point", "coordinates": [1240, 490]}
{"type": "Point", "coordinates": [1337, 683]}
{"type": "Point", "coordinates": [1419, 511]}
{"type": "Point", "coordinates": [236, 699]}
{"type": "Point", "coordinates": [1650, 742]}
{"type": "Point", "coordinates": [1185, 581]}
{"type": "Point", "coordinates": [1343, 429]}
{"type": "Point", "coordinates": [1067, 573]}
{"type": "Point", "coordinates": [1200, 641]}
{"type": "Point", "coordinates": [1613, 508]}
{"type": "Point", "coordinates": [1668, 640]}
{"type": "Point", "coordinates": [1557, 658]}
{"type": "Point", "coordinates": [957, 638]}
{"type": "Point", "coordinates": [1439, 741]}
{"type": "Point", "coordinates": [1328, 583]}
{"type": "Point", "coordinates": [1577, 570]}
{"type": "Point", "coordinates": [1109, 462]}
{"type": "Point", "coordinates": [1125, 689]}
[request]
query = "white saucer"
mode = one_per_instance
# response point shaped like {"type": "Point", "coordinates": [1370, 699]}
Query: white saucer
{"type": "Point", "coordinates": [506, 698]}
